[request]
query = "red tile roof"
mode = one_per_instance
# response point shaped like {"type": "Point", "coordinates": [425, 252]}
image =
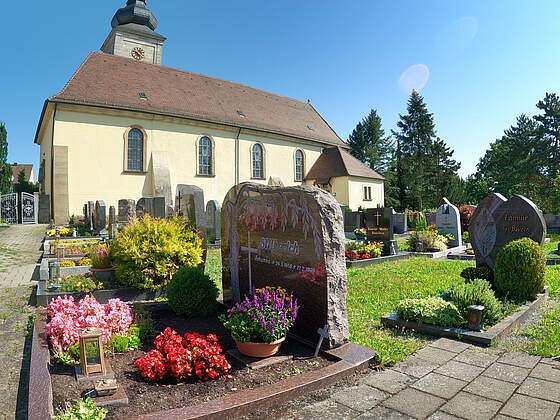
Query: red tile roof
{"type": "Point", "coordinates": [335, 162]}
{"type": "Point", "coordinates": [117, 82]}
{"type": "Point", "coordinates": [16, 169]}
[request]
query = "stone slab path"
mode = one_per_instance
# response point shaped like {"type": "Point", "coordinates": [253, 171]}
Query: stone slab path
{"type": "Point", "coordinates": [450, 380]}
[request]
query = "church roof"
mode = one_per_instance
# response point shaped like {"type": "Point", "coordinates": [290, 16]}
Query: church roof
{"type": "Point", "coordinates": [335, 162]}
{"type": "Point", "coordinates": [122, 83]}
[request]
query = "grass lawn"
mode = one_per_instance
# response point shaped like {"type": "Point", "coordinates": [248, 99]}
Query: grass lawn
{"type": "Point", "coordinates": [545, 335]}
{"type": "Point", "coordinates": [553, 245]}
{"type": "Point", "coordinates": [213, 266]}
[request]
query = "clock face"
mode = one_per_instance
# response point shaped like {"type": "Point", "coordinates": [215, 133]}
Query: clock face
{"type": "Point", "coordinates": [138, 53]}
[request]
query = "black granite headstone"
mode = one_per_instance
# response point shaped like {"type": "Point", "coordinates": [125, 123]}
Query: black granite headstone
{"type": "Point", "coordinates": [352, 220]}
{"type": "Point", "coordinates": [379, 224]}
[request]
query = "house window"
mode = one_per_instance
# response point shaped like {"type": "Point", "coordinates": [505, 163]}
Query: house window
{"type": "Point", "coordinates": [299, 165]}
{"type": "Point", "coordinates": [257, 161]}
{"type": "Point", "coordinates": [205, 156]}
{"type": "Point", "coordinates": [135, 150]}
{"type": "Point", "coordinates": [367, 193]}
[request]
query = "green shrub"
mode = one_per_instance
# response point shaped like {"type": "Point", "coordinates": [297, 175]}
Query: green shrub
{"type": "Point", "coordinates": [124, 343]}
{"type": "Point", "coordinates": [144, 325]}
{"type": "Point", "coordinates": [429, 238]}
{"type": "Point", "coordinates": [520, 269]}
{"type": "Point", "coordinates": [148, 252]}
{"type": "Point", "coordinates": [69, 357]}
{"type": "Point", "coordinates": [430, 310]}
{"type": "Point", "coordinates": [81, 283]}
{"type": "Point", "coordinates": [482, 272]}
{"type": "Point", "coordinates": [192, 293]}
{"type": "Point", "coordinates": [479, 292]}
{"type": "Point", "coordinates": [83, 410]}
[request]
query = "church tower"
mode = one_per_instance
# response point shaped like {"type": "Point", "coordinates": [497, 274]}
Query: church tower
{"type": "Point", "coordinates": [134, 35]}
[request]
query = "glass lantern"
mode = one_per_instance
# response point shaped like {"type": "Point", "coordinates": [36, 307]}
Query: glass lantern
{"type": "Point", "coordinates": [92, 359]}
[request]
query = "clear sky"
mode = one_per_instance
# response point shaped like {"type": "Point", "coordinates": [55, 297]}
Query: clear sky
{"type": "Point", "coordinates": [481, 63]}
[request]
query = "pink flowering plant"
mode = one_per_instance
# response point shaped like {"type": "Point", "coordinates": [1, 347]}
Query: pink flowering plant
{"type": "Point", "coordinates": [66, 319]}
{"type": "Point", "coordinates": [100, 255]}
{"type": "Point", "coordinates": [264, 317]}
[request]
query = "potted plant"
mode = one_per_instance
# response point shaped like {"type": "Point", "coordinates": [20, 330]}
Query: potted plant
{"type": "Point", "coordinates": [260, 323]}
{"type": "Point", "coordinates": [101, 263]}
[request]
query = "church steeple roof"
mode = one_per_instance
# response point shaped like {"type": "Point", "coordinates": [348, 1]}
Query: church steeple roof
{"type": "Point", "coordinates": [136, 12]}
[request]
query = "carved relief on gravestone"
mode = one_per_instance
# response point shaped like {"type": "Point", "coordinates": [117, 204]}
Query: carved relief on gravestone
{"type": "Point", "coordinates": [189, 201]}
{"type": "Point", "coordinates": [127, 211]}
{"type": "Point", "coordinates": [498, 221]}
{"type": "Point", "coordinates": [292, 238]}
{"type": "Point", "coordinates": [448, 221]}
{"type": "Point", "coordinates": [214, 220]}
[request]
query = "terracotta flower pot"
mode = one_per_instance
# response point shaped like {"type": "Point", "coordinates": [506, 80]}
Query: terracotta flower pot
{"type": "Point", "coordinates": [259, 349]}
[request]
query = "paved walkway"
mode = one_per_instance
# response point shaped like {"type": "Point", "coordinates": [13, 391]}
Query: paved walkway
{"type": "Point", "coordinates": [450, 380]}
{"type": "Point", "coordinates": [19, 254]}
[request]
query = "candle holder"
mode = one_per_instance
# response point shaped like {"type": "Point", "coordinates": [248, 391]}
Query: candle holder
{"type": "Point", "coordinates": [475, 317]}
{"type": "Point", "coordinates": [92, 359]}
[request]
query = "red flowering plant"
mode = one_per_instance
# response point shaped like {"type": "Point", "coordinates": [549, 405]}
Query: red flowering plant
{"type": "Point", "coordinates": [193, 355]}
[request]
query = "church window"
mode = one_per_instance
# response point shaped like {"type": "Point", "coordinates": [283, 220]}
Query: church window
{"type": "Point", "coordinates": [135, 150]}
{"type": "Point", "coordinates": [257, 161]}
{"type": "Point", "coordinates": [299, 162]}
{"type": "Point", "coordinates": [205, 156]}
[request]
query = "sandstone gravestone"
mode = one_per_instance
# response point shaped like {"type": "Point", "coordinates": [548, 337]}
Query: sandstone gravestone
{"type": "Point", "coordinates": [497, 221]}
{"type": "Point", "coordinates": [214, 220]}
{"type": "Point", "coordinates": [448, 221]}
{"type": "Point", "coordinates": [352, 220]}
{"type": "Point", "coordinates": [292, 238]}
{"type": "Point", "coordinates": [100, 217]}
{"type": "Point", "coordinates": [127, 211]}
{"type": "Point", "coordinates": [189, 201]}
{"type": "Point", "coordinates": [145, 206]}
{"type": "Point", "coordinates": [400, 223]}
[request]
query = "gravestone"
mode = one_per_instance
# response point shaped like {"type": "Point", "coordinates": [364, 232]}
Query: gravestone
{"type": "Point", "coordinates": [112, 215]}
{"type": "Point", "coordinates": [400, 223]}
{"type": "Point", "coordinates": [379, 226]}
{"type": "Point", "coordinates": [91, 215]}
{"type": "Point", "coordinates": [275, 181]}
{"type": "Point", "coordinates": [497, 221]}
{"type": "Point", "coordinates": [552, 223]}
{"type": "Point", "coordinates": [159, 209]}
{"type": "Point", "coordinates": [85, 212]}
{"type": "Point", "coordinates": [127, 211]}
{"type": "Point", "coordinates": [145, 206]}
{"type": "Point", "coordinates": [448, 221]}
{"type": "Point", "coordinates": [292, 238]}
{"type": "Point", "coordinates": [214, 220]}
{"type": "Point", "coordinates": [44, 216]}
{"type": "Point", "coordinates": [189, 201]}
{"type": "Point", "coordinates": [100, 217]}
{"type": "Point", "coordinates": [352, 220]}
{"type": "Point", "coordinates": [431, 218]}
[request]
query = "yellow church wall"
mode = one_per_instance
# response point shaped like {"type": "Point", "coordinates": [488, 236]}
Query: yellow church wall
{"type": "Point", "coordinates": [45, 151]}
{"type": "Point", "coordinates": [96, 137]}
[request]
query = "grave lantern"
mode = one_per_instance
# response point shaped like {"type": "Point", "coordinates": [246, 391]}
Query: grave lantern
{"type": "Point", "coordinates": [54, 272]}
{"type": "Point", "coordinates": [92, 359]}
{"type": "Point", "coordinates": [475, 317]}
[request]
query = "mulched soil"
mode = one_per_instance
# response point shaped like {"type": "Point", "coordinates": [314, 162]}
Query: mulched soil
{"type": "Point", "coordinates": [148, 397]}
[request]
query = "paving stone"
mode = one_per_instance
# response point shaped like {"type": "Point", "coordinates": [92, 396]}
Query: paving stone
{"type": "Point", "coordinates": [546, 372]}
{"type": "Point", "coordinates": [507, 373]}
{"type": "Point", "coordinates": [436, 355]}
{"type": "Point", "coordinates": [550, 362]}
{"type": "Point", "coordinates": [520, 359]}
{"type": "Point", "coordinates": [416, 366]}
{"type": "Point", "coordinates": [540, 388]}
{"type": "Point", "coordinates": [383, 413]}
{"type": "Point", "coordinates": [491, 388]}
{"type": "Point", "coordinates": [439, 385]}
{"type": "Point", "coordinates": [502, 417]}
{"type": "Point", "coordinates": [470, 406]}
{"type": "Point", "coordinates": [326, 410]}
{"type": "Point", "coordinates": [477, 357]}
{"type": "Point", "coordinates": [360, 398]}
{"type": "Point", "coordinates": [414, 403]}
{"type": "Point", "coordinates": [389, 381]}
{"type": "Point", "coordinates": [441, 415]}
{"type": "Point", "coordinates": [529, 408]}
{"type": "Point", "coordinates": [460, 370]}
{"type": "Point", "coordinates": [450, 345]}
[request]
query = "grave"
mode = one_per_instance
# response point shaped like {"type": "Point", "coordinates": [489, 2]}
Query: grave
{"type": "Point", "coordinates": [352, 220]}
{"type": "Point", "coordinates": [292, 238]}
{"type": "Point", "coordinates": [145, 206]}
{"type": "Point", "coordinates": [400, 223]}
{"type": "Point", "coordinates": [498, 221]}
{"type": "Point", "coordinates": [159, 208]}
{"type": "Point", "coordinates": [127, 211]}
{"type": "Point", "coordinates": [448, 221]}
{"type": "Point", "coordinates": [379, 226]}
{"type": "Point", "coordinates": [112, 215]}
{"type": "Point", "coordinates": [552, 223]}
{"type": "Point", "coordinates": [213, 221]}
{"type": "Point", "coordinates": [189, 202]}
{"type": "Point", "coordinates": [100, 217]}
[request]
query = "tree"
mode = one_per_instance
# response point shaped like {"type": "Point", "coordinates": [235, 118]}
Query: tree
{"type": "Point", "coordinates": [25, 186]}
{"type": "Point", "coordinates": [5, 169]}
{"type": "Point", "coordinates": [476, 189]}
{"type": "Point", "coordinates": [370, 145]}
{"type": "Point", "coordinates": [549, 133]}
{"type": "Point", "coordinates": [443, 170]}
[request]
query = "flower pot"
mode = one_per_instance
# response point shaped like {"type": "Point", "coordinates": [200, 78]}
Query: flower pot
{"type": "Point", "coordinates": [106, 275]}
{"type": "Point", "coordinates": [259, 349]}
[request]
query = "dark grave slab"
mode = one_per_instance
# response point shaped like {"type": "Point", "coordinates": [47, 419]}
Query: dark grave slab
{"type": "Point", "coordinates": [145, 206]}
{"type": "Point", "coordinates": [160, 210]}
{"type": "Point", "coordinates": [400, 223]}
{"type": "Point", "coordinates": [352, 220]}
{"type": "Point", "coordinates": [127, 211]}
{"type": "Point", "coordinates": [379, 224]}
{"type": "Point", "coordinates": [482, 227]}
{"type": "Point", "coordinates": [292, 238]}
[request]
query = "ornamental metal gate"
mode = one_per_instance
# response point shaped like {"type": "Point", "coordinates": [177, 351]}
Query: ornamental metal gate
{"type": "Point", "coordinates": [9, 208]}
{"type": "Point", "coordinates": [28, 215]}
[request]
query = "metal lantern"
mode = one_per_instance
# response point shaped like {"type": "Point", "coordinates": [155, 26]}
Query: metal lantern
{"type": "Point", "coordinates": [54, 272]}
{"type": "Point", "coordinates": [475, 317]}
{"type": "Point", "coordinates": [92, 359]}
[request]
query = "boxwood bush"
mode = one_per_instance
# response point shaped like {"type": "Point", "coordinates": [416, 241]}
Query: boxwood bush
{"type": "Point", "coordinates": [148, 252]}
{"type": "Point", "coordinates": [479, 292]}
{"type": "Point", "coordinates": [430, 310]}
{"type": "Point", "coordinates": [520, 269]}
{"type": "Point", "coordinates": [482, 272]}
{"type": "Point", "coordinates": [192, 293]}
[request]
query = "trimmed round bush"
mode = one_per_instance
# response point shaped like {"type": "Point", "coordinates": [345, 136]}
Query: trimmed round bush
{"type": "Point", "coordinates": [192, 293]}
{"type": "Point", "coordinates": [430, 310]}
{"type": "Point", "coordinates": [148, 252]}
{"type": "Point", "coordinates": [482, 272]}
{"type": "Point", "coordinates": [479, 292]}
{"type": "Point", "coordinates": [520, 269]}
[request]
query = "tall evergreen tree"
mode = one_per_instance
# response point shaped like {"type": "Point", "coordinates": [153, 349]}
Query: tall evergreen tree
{"type": "Point", "coordinates": [549, 133]}
{"type": "Point", "coordinates": [5, 169]}
{"type": "Point", "coordinates": [443, 170]}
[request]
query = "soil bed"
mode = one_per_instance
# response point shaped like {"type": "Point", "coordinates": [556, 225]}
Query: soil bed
{"type": "Point", "coordinates": [148, 397]}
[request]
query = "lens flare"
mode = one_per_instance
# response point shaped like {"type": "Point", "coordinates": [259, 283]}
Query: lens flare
{"type": "Point", "coordinates": [414, 78]}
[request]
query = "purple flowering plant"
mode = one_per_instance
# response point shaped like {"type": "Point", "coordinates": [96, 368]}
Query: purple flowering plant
{"type": "Point", "coordinates": [264, 317]}
{"type": "Point", "coordinates": [100, 255]}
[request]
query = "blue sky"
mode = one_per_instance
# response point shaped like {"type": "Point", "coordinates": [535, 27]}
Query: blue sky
{"type": "Point", "coordinates": [488, 61]}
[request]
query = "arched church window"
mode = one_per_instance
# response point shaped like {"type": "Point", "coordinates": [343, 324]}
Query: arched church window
{"type": "Point", "coordinates": [135, 149]}
{"type": "Point", "coordinates": [205, 158]}
{"type": "Point", "coordinates": [257, 161]}
{"type": "Point", "coordinates": [299, 162]}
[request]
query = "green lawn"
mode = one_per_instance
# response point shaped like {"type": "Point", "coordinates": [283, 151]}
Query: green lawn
{"type": "Point", "coordinates": [553, 245]}
{"type": "Point", "coordinates": [213, 266]}
{"type": "Point", "coordinates": [545, 335]}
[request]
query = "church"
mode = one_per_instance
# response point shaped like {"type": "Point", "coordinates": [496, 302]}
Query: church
{"type": "Point", "coordinates": [125, 127]}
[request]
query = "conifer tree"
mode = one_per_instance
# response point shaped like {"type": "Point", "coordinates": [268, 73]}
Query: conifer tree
{"type": "Point", "coordinates": [549, 133]}
{"type": "Point", "coordinates": [5, 169]}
